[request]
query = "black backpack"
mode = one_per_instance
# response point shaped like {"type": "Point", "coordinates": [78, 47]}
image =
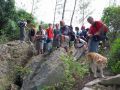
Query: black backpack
{"type": "Point", "coordinates": [102, 35]}
{"type": "Point", "coordinates": [71, 33]}
{"type": "Point", "coordinates": [32, 32]}
{"type": "Point", "coordinates": [72, 36]}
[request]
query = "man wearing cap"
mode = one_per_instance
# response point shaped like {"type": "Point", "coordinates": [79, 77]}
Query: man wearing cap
{"type": "Point", "coordinates": [94, 31]}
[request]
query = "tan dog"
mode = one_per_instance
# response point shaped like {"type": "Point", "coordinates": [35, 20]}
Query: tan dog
{"type": "Point", "coordinates": [97, 62]}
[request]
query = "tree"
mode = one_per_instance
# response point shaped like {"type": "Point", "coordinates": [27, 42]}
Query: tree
{"type": "Point", "coordinates": [83, 7]}
{"type": "Point", "coordinates": [7, 10]}
{"type": "Point", "coordinates": [111, 16]}
{"type": "Point", "coordinates": [34, 6]}
{"type": "Point", "coordinates": [9, 18]}
{"type": "Point", "coordinates": [55, 11]}
{"type": "Point", "coordinates": [73, 12]}
{"type": "Point", "coordinates": [33, 3]}
{"type": "Point", "coordinates": [64, 9]}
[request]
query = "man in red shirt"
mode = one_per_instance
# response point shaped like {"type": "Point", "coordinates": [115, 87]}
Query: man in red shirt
{"type": "Point", "coordinates": [50, 36]}
{"type": "Point", "coordinates": [95, 30]}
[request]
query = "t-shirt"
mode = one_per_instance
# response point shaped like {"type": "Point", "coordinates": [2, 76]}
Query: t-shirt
{"type": "Point", "coordinates": [50, 33]}
{"type": "Point", "coordinates": [56, 33]}
{"type": "Point", "coordinates": [96, 27]}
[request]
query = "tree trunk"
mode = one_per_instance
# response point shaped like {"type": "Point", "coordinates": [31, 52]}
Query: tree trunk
{"type": "Point", "coordinates": [32, 7]}
{"type": "Point", "coordinates": [73, 12]}
{"type": "Point", "coordinates": [55, 12]}
{"type": "Point", "coordinates": [64, 9]}
{"type": "Point", "coordinates": [83, 13]}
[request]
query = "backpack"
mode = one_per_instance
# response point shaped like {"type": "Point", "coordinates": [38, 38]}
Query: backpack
{"type": "Point", "coordinates": [71, 33]}
{"type": "Point", "coordinates": [72, 36]}
{"type": "Point", "coordinates": [32, 32]}
{"type": "Point", "coordinates": [102, 35]}
{"type": "Point", "coordinates": [65, 30]}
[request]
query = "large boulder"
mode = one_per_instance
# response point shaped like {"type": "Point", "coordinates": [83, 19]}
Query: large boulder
{"type": "Point", "coordinates": [11, 54]}
{"type": "Point", "coordinates": [46, 70]}
{"type": "Point", "coordinates": [109, 83]}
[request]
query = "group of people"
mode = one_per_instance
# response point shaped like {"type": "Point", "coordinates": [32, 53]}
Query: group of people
{"type": "Point", "coordinates": [61, 35]}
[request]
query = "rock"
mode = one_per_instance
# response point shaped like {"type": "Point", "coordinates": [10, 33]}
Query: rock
{"type": "Point", "coordinates": [12, 54]}
{"type": "Point", "coordinates": [46, 71]}
{"type": "Point", "coordinates": [14, 87]}
{"type": "Point", "coordinates": [87, 88]}
{"type": "Point", "coordinates": [113, 80]}
{"type": "Point", "coordinates": [108, 83]}
{"type": "Point", "coordinates": [94, 82]}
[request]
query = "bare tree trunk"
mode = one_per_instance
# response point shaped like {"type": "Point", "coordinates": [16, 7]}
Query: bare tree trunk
{"type": "Point", "coordinates": [114, 2]}
{"type": "Point", "coordinates": [73, 12]}
{"type": "Point", "coordinates": [32, 6]}
{"type": "Point", "coordinates": [83, 13]}
{"type": "Point", "coordinates": [64, 9]}
{"type": "Point", "coordinates": [55, 12]}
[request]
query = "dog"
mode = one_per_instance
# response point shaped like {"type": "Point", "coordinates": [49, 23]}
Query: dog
{"type": "Point", "coordinates": [97, 61]}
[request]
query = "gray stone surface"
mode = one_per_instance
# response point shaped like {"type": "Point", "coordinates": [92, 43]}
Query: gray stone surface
{"type": "Point", "coordinates": [47, 70]}
{"type": "Point", "coordinates": [113, 80]}
{"type": "Point", "coordinates": [12, 54]}
{"type": "Point", "coordinates": [108, 83]}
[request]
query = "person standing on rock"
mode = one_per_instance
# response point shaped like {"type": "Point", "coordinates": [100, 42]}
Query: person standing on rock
{"type": "Point", "coordinates": [95, 30]}
{"type": "Point", "coordinates": [56, 40]}
{"type": "Point", "coordinates": [28, 28]}
{"type": "Point", "coordinates": [64, 35]}
{"type": "Point", "coordinates": [50, 36]}
{"type": "Point", "coordinates": [32, 33]}
{"type": "Point", "coordinates": [40, 38]}
{"type": "Point", "coordinates": [22, 25]}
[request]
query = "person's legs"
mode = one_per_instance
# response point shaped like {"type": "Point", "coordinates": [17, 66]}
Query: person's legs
{"type": "Point", "coordinates": [93, 45]}
{"type": "Point", "coordinates": [27, 36]}
{"type": "Point", "coordinates": [38, 47]}
{"type": "Point", "coordinates": [49, 46]}
{"type": "Point", "coordinates": [42, 46]}
{"type": "Point", "coordinates": [22, 34]}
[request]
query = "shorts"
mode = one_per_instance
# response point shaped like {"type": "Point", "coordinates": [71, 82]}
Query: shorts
{"type": "Point", "coordinates": [65, 43]}
{"type": "Point", "coordinates": [39, 44]}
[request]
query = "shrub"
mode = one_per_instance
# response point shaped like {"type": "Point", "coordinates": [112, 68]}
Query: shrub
{"type": "Point", "coordinates": [3, 39]}
{"type": "Point", "coordinates": [114, 61]}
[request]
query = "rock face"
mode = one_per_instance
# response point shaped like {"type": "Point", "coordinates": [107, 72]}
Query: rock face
{"type": "Point", "coordinates": [12, 53]}
{"type": "Point", "coordinates": [109, 83]}
{"type": "Point", "coordinates": [46, 70]}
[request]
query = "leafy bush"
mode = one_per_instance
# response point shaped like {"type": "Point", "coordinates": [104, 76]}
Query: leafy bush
{"type": "Point", "coordinates": [114, 61]}
{"type": "Point", "coordinates": [73, 71]}
{"type": "Point", "coordinates": [9, 20]}
{"type": "Point", "coordinates": [111, 17]}
{"type": "Point", "coordinates": [3, 39]}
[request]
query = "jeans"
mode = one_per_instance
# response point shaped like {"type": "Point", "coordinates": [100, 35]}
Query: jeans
{"type": "Point", "coordinates": [93, 45]}
{"type": "Point", "coordinates": [22, 34]}
{"type": "Point", "coordinates": [49, 45]}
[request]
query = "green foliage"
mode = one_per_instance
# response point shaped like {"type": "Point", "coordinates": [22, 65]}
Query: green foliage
{"type": "Point", "coordinates": [73, 71]}
{"type": "Point", "coordinates": [111, 16]}
{"type": "Point", "coordinates": [3, 39]}
{"type": "Point", "coordinates": [114, 61]}
{"type": "Point", "coordinates": [9, 20]}
{"type": "Point", "coordinates": [49, 88]}
{"type": "Point", "coordinates": [23, 15]}
{"type": "Point", "coordinates": [7, 9]}
{"type": "Point", "coordinates": [21, 70]}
